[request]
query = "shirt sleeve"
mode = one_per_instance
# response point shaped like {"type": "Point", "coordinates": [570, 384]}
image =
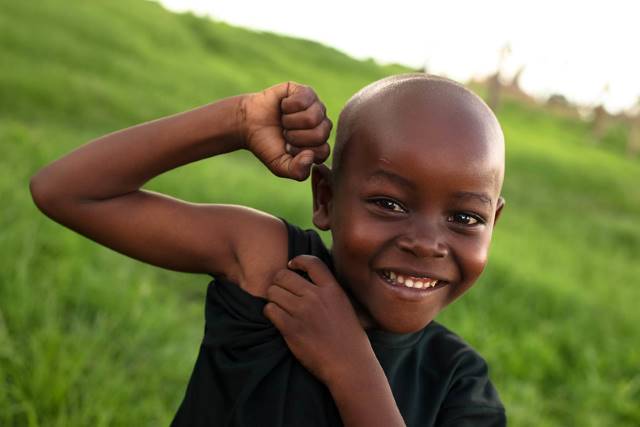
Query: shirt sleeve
{"type": "Point", "coordinates": [472, 401]}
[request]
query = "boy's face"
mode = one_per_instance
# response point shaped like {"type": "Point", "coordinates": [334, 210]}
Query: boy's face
{"type": "Point", "coordinates": [417, 200]}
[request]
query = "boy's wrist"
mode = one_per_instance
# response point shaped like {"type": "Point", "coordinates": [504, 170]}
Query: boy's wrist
{"type": "Point", "coordinates": [240, 128]}
{"type": "Point", "coordinates": [363, 395]}
{"type": "Point", "coordinates": [352, 369]}
{"type": "Point", "coordinates": [218, 125]}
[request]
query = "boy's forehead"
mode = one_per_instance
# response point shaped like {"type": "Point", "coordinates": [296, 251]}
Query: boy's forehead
{"type": "Point", "coordinates": [444, 129]}
{"type": "Point", "coordinates": [443, 112]}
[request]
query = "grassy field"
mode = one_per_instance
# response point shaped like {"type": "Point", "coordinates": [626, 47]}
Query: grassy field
{"type": "Point", "coordinates": [89, 337]}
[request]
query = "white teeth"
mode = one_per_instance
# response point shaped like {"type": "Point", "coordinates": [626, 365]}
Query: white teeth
{"type": "Point", "coordinates": [410, 283]}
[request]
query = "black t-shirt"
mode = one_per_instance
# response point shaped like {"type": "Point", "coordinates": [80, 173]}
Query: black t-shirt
{"type": "Point", "coordinates": [245, 375]}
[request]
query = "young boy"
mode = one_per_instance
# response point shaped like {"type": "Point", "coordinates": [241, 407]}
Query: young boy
{"type": "Point", "coordinates": [343, 336]}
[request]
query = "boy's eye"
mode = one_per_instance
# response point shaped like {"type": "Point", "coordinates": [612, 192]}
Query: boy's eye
{"type": "Point", "coordinates": [465, 219]}
{"type": "Point", "coordinates": [388, 204]}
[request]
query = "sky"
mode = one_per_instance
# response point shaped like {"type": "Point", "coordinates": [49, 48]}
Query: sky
{"type": "Point", "coordinates": [585, 50]}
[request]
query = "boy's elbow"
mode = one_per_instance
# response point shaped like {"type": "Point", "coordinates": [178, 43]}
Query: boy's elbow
{"type": "Point", "coordinates": [42, 192]}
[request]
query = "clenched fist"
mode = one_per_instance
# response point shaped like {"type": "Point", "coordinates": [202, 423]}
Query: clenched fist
{"type": "Point", "coordinates": [286, 127]}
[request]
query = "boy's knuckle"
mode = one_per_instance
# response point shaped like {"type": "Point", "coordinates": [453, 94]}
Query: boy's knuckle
{"type": "Point", "coordinates": [320, 154]}
{"type": "Point", "coordinates": [318, 113]}
{"type": "Point", "coordinates": [307, 90]}
{"type": "Point", "coordinates": [308, 120]}
{"type": "Point", "coordinates": [279, 276]}
{"type": "Point", "coordinates": [268, 310]}
{"type": "Point", "coordinates": [302, 259]}
{"type": "Point", "coordinates": [325, 150]}
{"type": "Point", "coordinates": [316, 133]}
{"type": "Point", "coordinates": [297, 104]}
{"type": "Point", "coordinates": [313, 260]}
{"type": "Point", "coordinates": [286, 122]}
{"type": "Point", "coordinates": [292, 136]}
{"type": "Point", "coordinates": [326, 126]}
{"type": "Point", "coordinates": [270, 292]}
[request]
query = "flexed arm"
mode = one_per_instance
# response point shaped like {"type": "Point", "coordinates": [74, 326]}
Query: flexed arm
{"type": "Point", "coordinates": [96, 189]}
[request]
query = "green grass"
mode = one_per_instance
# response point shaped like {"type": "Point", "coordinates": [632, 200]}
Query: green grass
{"type": "Point", "coordinates": [89, 337]}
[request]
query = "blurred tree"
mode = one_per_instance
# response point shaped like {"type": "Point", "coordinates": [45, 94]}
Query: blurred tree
{"type": "Point", "coordinates": [494, 83]}
{"type": "Point", "coordinates": [599, 123]}
{"type": "Point", "coordinates": [558, 99]}
{"type": "Point", "coordinates": [633, 142]}
{"type": "Point", "coordinates": [600, 118]}
{"type": "Point", "coordinates": [515, 82]}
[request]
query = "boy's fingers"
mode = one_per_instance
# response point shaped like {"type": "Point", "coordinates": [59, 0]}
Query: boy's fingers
{"type": "Point", "coordinates": [278, 316]}
{"type": "Point", "coordinates": [291, 281]}
{"type": "Point", "coordinates": [320, 154]}
{"type": "Point", "coordinates": [294, 283]}
{"type": "Point", "coordinates": [295, 167]}
{"type": "Point", "coordinates": [315, 268]}
{"type": "Point", "coordinates": [302, 164]}
{"type": "Point", "coordinates": [307, 119]}
{"type": "Point", "coordinates": [283, 297]}
{"type": "Point", "coordinates": [299, 98]}
{"type": "Point", "coordinates": [310, 137]}
{"type": "Point", "coordinates": [299, 167]}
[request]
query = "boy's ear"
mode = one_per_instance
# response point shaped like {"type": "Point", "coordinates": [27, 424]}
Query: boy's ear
{"type": "Point", "coordinates": [499, 207]}
{"type": "Point", "coordinates": [322, 196]}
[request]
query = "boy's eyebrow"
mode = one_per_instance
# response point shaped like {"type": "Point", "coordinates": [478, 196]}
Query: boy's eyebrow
{"type": "Point", "coordinates": [483, 197]}
{"type": "Point", "coordinates": [382, 174]}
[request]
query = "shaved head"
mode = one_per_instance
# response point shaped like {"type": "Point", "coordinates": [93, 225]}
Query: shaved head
{"type": "Point", "coordinates": [418, 97]}
{"type": "Point", "coordinates": [416, 185]}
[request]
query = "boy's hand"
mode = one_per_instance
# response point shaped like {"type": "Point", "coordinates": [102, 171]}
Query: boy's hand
{"type": "Point", "coordinates": [286, 127]}
{"type": "Point", "coordinates": [317, 320]}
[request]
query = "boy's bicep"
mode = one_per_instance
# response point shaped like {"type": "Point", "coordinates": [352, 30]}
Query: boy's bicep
{"type": "Point", "coordinates": [174, 234]}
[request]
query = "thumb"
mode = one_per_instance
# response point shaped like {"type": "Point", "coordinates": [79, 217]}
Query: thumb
{"type": "Point", "coordinates": [300, 165]}
{"type": "Point", "coordinates": [317, 270]}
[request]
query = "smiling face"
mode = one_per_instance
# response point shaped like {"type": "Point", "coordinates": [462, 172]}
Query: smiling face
{"type": "Point", "coordinates": [413, 209]}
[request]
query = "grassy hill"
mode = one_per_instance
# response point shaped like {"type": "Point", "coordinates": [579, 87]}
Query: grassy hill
{"type": "Point", "coordinates": [89, 337]}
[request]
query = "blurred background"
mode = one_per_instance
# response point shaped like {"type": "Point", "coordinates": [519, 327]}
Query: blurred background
{"type": "Point", "coordinates": [90, 337]}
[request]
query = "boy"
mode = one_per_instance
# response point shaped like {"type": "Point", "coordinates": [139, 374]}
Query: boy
{"type": "Point", "coordinates": [411, 203]}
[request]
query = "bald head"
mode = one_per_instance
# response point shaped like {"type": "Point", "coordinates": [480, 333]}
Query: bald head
{"type": "Point", "coordinates": [404, 99]}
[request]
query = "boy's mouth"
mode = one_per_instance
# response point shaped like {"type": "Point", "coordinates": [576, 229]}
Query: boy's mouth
{"type": "Point", "coordinates": [409, 281]}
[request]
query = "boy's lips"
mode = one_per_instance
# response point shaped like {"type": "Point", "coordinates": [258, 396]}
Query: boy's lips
{"type": "Point", "coordinates": [411, 281]}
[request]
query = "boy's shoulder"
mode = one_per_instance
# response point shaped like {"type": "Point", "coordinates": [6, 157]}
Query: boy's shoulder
{"type": "Point", "coordinates": [449, 350]}
{"type": "Point", "coordinates": [306, 241]}
{"type": "Point", "coordinates": [467, 372]}
{"type": "Point", "coordinates": [447, 378]}
{"type": "Point", "coordinates": [267, 244]}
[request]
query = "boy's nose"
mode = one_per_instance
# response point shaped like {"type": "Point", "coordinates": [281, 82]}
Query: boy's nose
{"type": "Point", "coordinates": [423, 242]}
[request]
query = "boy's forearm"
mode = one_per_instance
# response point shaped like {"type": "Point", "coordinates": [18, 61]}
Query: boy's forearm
{"type": "Point", "coordinates": [132, 156]}
{"type": "Point", "coordinates": [364, 398]}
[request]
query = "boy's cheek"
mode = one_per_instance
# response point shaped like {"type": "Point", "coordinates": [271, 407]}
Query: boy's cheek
{"type": "Point", "coordinates": [474, 264]}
